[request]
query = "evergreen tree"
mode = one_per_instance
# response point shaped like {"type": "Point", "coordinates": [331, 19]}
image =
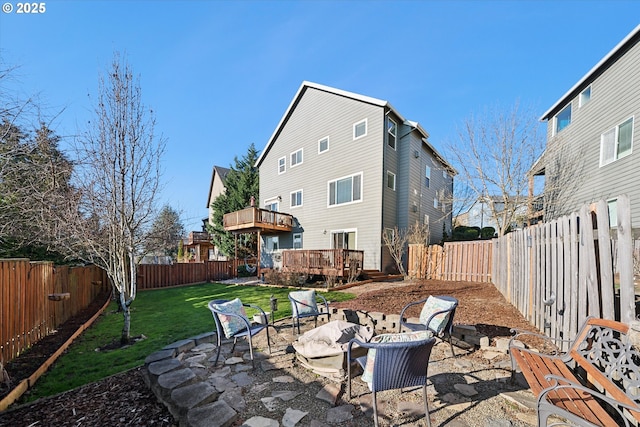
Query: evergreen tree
{"type": "Point", "coordinates": [165, 233]}
{"type": "Point", "coordinates": [242, 183]}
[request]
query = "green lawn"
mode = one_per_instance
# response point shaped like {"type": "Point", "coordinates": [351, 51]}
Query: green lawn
{"type": "Point", "coordinates": [163, 316]}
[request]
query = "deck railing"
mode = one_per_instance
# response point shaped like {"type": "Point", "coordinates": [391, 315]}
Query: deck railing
{"type": "Point", "coordinates": [252, 218]}
{"type": "Point", "coordinates": [341, 262]}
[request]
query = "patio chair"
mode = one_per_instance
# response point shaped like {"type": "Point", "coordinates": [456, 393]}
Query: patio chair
{"type": "Point", "coordinates": [394, 361]}
{"type": "Point", "coordinates": [436, 316]}
{"type": "Point", "coordinates": [231, 319]}
{"type": "Point", "coordinates": [305, 304]}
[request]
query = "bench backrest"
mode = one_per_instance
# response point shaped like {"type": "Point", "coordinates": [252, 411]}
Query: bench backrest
{"type": "Point", "coordinates": [603, 350]}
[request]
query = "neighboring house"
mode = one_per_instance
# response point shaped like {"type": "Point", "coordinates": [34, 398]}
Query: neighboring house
{"type": "Point", "coordinates": [217, 187]}
{"type": "Point", "coordinates": [347, 167]}
{"type": "Point", "coordinates": [591, 131]}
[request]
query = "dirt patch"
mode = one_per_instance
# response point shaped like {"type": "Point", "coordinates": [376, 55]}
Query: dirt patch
{"type": "Point", "coordinates": [479, 304]}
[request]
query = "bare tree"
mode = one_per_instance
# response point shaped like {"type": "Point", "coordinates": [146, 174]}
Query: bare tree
{"type": "Point", "coordinates": [117, 178]}
{"type": "Point", "coordinates": [493, 154]}
{"type": "Point", "coordinates": [395, 239]}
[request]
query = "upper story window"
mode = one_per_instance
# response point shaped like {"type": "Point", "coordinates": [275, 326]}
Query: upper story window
{"type": "Point", "coordinates": [563, 118]}
{"type": "Point", "coordinates": [392, 131]}
{"type": "Point", "coordinates": [271, 205]}
{"type": "Point", "coordinates": [323, 145]}
{"type": "Point", "coordinates": [391, 180]}
{"type": "Point", "coordinates": [360, 129]}
{"type": "Point", "coordinates": [282, 165]}
{"type": "Point", "coordinates": [435, 202]}
{"type": "Point", "coordinates": [427, 176]}
{"type": "Point", "coordinates": [296, 199]}
{"type": "Point", "coordinates": [296, 158]}
{"type": "Point", "coordinates": [617, 142]}
{"type": "Point", "coordinates": [345, 190]}
{"type": "Point", "coordinates": [585, 96]}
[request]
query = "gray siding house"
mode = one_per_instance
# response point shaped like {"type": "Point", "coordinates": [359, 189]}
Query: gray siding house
{"type": "Point", "coordinates": [347, 166]}
{"type": "Point", "coordinates": [591, 132]}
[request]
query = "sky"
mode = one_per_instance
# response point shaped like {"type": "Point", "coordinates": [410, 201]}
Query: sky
{"type": "Point", "coordinates": [219, 75]}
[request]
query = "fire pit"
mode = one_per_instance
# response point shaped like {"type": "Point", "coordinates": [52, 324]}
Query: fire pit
{"type": "Point", "coordinates": [324, 349]}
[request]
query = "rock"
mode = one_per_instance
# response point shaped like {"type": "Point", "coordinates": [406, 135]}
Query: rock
{"type": "Point", "coordinates": [329, 393]}
{"type": "Point", "coordinates": [292, 417]}
{"type": "Point", "coordinates": [217, 414]}
{"type": "Point", "coordinates": [260, 422]}
{"type": "Point", "coordinates": [340, 414]}
{"type": "Point", "coordinates": [466, 389]}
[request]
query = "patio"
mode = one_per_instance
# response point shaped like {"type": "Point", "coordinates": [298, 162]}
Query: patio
{"type": "Point", "coordinates": [470, 390]}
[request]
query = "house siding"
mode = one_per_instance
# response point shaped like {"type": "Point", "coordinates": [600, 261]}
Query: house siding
{"type": "Point", "coordinates": [319, 114]}
{"type": "Point", "coordinates": [615, 97]}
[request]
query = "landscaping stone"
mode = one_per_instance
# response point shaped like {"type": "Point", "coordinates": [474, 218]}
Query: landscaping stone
{"type": "Point", "coordinates": [163, 366]}
{"type": "Point", "coordinates": [292, 417]}
{"type": "Point", "coordinates": [340, 414]}
{"type": "Point", "coordinates": [260, 422]}
{"type": "Point", "coordinates": [181, 346]}
{"type": "Point", "coordinates": [160, 355]}
{"type": "Point", "coordinates": [217, 414]}
{"type": "Point", "coordinates": [185, 398]}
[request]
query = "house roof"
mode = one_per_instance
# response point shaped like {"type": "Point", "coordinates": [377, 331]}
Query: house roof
{"type": "Point", "coordinates": [222, 174]}
{"type": "Point", "coordinates": [362, 98]}
{"type": "Point", "coordinates": [611, 57]}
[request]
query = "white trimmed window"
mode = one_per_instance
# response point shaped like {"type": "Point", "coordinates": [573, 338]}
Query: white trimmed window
{"type": "Point", "coordinates": [360, 129]}
{"type": "Point", "coordinates": [296, 158]}
{"type": "Point", "coordinates": [585, 96]}
{"type": "Point", "coordinates": [563, 118]}
{"type": "Point", "coordinates": [296, 199]}
{"type": "Point", "coordinates": [435, 202]}
{"type": "Point", "coordinates": [282, 165]}
{"type": "Point", "coordinates": [427, 176]}
{"type": "Point", "coordinates": [323, 145]}
{"type": "Point", "coordinates": [297, 240]}
{"type": "Point", "coordinates": [272, 205]}
{"type": "Point", "coordinates": [617, 142]}
{"type": "Point", "coordinates": [272, 243]}
{"type": "Point", "coordinates": [392, 131]}
{"type": "Point", "coordinates": [391, 180]}
{"type": "Point", "coordinates": [345, 190]}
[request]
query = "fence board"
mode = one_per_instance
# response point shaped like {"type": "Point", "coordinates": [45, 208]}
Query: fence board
{"type": "Point", "coordinates": [455, 261]}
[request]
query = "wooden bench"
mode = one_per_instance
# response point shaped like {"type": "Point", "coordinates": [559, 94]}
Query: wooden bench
{"type": "Point", "coordinates": [595, 383]}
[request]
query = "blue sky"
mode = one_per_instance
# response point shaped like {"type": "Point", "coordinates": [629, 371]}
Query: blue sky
{"type": "Point", "coordinates": [220, 74]}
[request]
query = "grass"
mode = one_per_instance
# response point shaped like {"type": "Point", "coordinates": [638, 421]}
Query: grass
{"type": "Point", "coordinates": [163, 316]}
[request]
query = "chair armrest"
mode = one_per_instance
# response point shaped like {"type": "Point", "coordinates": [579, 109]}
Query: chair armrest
{"type": "Point", "coordinates": [560, 383]}
{"type": "Point", "coordinates": [324, 301]}
{"type": "Point", "coordinates": [411, 304]}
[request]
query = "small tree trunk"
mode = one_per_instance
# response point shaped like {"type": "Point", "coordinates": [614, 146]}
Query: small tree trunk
{"type": "Point", "coordinates": [126, 313]}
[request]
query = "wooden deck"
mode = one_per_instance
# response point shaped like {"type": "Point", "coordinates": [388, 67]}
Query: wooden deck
{"type": "Point", "coordinates": [252, 219]}
{"type": "Point", "coordinates": [323, 262]}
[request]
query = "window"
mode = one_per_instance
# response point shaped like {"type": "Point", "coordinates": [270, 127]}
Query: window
{"type": "Point", "coordinates": [427, 176]}
{"type": "Point", "coordinates": [297, 240]}
{"type": "Point", "coordinates": [343, 239]}
{"type": "Point", "coordinates": [345, 190]}
{"type": "Point", "coordinates": [435, 202]}
{"type": "Point", "coordinates": [323, 145]}
{"type": "Point", "coordinates": [271, 243]}
{"type": "Point", "coordinates": [391, 180]}
{"type": "Point", "coordinates": [271, 205]}
{"type": "Point", "coordinates": [360, 129]}
{"type": "Point", "coordinates": [617, 142]}
{"type": "Point", "coordinates": [563, 118]}
{"type": "Point", "coordinates": [392, 130]}
{"type": "Point", "coordinates": [296, 199]}
{"type": "Point", "coordinates": [613, 213]}
{"type": "Point", "coordinates": [282, 165]}
{"type": "Point", "coordinates": [585, 96]}
{"type": "Point", "coordinates": [445, 175]}
{"type": "Point", "coordinates": [296, 158]}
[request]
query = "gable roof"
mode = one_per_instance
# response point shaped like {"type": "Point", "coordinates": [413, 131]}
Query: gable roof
{"type": "Point", "coordinates": [357, 97]}
{"type": "Point", "coordinates": [610, 58]}
{"type": "Point", "coordinates": [222, 174]}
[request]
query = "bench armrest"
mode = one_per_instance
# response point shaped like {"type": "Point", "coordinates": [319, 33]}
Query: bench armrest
{"type": "Point", "coordinates": [546, 408]}
{"type": "Point", "coordinates": [553, 342]}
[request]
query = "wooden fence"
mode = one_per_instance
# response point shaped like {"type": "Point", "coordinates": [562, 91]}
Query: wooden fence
{"type": "Point", "coordinates": [154, 276]}
{"type": "Point", "coordinates": [37, 297]}
{"type": "Point", "coordinates": [558, 273]}
{"type": "Point", "coordinates": [455, 261]}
